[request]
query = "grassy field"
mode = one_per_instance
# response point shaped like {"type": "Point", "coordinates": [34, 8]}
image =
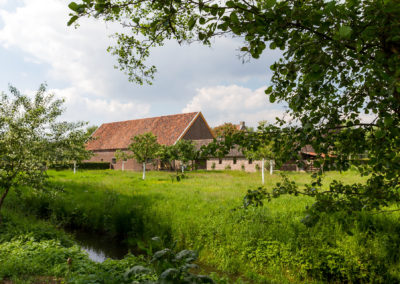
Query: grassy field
{"type": "Point", "coordinates": [260, 245]}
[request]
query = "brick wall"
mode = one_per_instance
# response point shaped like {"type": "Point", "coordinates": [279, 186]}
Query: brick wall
{"type": "Point", "coordinates": [108, 155]}
{"type": "Point", "coordinates": [238, 166]}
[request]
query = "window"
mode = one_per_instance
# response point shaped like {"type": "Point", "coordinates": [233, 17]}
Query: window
{"type": "Point", "coordinates": [114, 160]}
{"type": "Point", "coordinates": [234, 160]}
{"type": "Point", "coordinates": [101, 160]}
{"type": "Point", "coordinates": [250, 161]}
{"type": "Point", "coordinates": [220, 161]}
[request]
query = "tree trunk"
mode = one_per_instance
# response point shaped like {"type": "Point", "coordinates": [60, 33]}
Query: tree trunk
{"type": "Point", "coordinates": [3, 196]}
{"type": "Point", "coordinates": [262, 170]}
{"type": "Point", "coordinates": [123, 164]}
{"type": "Point", "coordinates": [271, 167]}
{"type": "Point", "coordinates": [74, 167]}
{"type": "Point", "coordinates": [182, 168]}
{"type": "Point", "coordinates": [144, 171]}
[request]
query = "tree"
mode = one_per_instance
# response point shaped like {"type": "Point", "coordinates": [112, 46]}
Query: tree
{"type": "Point", "coordinates": [340, 63]}
{"type": "Point", "coordinates": [262, 152]}
{"type": "Point", "coordinates": [225, 129]}
{"type": "Point", "coordinates": [144, 148]}
{"type": "Point", "coordinates": [185, 152]}
{"type": "Point", "coordinates": [122, 156]}
{"type": "Point", "coordinates": [167, 154]}
{"type": "Point", "coordinates": [31, 139]}
{"type": "Point", "coordinates": [91, 129]}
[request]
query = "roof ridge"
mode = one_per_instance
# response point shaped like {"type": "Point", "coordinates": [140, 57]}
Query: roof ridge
{"type": "Point", "coordinates": [154, 117]}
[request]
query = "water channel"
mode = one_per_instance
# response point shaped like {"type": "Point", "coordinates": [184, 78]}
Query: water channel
{"type": "Point", "coordinates": [100, 247]}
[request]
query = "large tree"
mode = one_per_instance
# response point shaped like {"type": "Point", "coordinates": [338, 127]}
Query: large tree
{"type": "Point", "coordinates": [339, 74]}
{"type": "Point", "coordinates": [32, 138]}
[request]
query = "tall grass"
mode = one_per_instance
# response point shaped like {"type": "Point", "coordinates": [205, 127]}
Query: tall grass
{"type": "Point", "coordinates": [202, 212]}
{"type": "Point", "coordinates": [34, 251]}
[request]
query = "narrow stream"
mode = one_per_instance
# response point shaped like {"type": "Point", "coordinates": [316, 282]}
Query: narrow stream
{"type": "Point", "coordinates": [99, 247]}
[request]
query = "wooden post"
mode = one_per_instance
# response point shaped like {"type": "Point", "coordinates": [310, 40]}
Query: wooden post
{"type": "Point", "coordinates": [262, 171]}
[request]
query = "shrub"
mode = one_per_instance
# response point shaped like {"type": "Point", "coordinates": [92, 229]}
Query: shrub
{"type": "Point", "coordinates": [228, 167]}
{"type": "Point", "coordinates": [213, 166]}
{"type": "Point", "coordinates": [257, 167]}
{"type": "Point", "coordinates": [242, 167]}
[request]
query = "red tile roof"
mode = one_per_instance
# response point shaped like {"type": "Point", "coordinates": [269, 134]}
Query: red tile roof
{"type": "Point", "coordinates": [117, 135]}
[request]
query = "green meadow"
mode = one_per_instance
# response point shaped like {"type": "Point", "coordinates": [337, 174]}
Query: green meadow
{"type": "Point", "coordinates": [267, 244]}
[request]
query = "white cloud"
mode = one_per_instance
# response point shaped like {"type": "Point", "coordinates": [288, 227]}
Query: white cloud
{"type": "Point", "coordinates": [39, 29]}
{"type": "Point", "coordinates": [233, 103]}
{"type": "Point", "coordinates": [98, 110]}
{"type": "Point", "coordinates": [75, 61]}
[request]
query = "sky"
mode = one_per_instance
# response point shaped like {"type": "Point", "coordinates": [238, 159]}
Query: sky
{"type": "Point", "coordinates": [37, 46]}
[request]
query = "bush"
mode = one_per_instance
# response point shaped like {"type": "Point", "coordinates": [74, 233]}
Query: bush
{"type": "Point", "coordinates": [228, 167]}
{"type": "Point", "coordinates": [257, 167]}
{"type": "Point", "coordinates": [213, 166]}
{"type": "Point", "coordinates": [242, 167]}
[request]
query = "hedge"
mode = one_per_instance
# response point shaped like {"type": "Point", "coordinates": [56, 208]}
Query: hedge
{"type": "Point", "coordinates": [84, 166]}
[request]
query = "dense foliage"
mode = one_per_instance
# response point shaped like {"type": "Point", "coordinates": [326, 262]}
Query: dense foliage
{"type": "Point", "coordinates": [339, 74]}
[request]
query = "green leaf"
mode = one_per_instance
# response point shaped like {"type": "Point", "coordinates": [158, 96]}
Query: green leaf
{"type": "Point", "coordinates": [268, 91]}
{"type": "Point", "coordinates": [272, 98]}
{"type": "Point", "coordinates": [388, 121]}
{"type": "Point", "coordinates": [345, 32]}
{"type": "Point", "coordinates": [116, 10]}
{"type": "Point", "coordinates": [202, 36]}
{"type": "Point", "coordinates": [234, 18]}
{"type": "Point", "coordinates": [73, 6]}
{"type": "Point", "coordinates": [269, 3]}
{"type": "Point", "coordinates": [191, 23]}
{"type": "Point", "coordinates": [72, 20]}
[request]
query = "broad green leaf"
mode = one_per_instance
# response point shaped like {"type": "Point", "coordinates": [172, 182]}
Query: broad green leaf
{"type": "Point", "coordinates": [72, 20]}
{"type": "Point", "coordinates": [345, 32]}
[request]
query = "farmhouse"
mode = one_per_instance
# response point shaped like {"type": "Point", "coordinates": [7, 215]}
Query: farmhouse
{"type": "Point", "coordinates": [169, 129]}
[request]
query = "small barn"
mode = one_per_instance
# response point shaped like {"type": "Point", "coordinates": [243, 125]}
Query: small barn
{"type": "Point", "coordinates": [169, 129]}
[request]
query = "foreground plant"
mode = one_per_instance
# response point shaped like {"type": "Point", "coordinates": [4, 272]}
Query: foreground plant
{"type": "Point", "coordinates": [31, 139]}
{"type": "Point", "coordinates": [171, 267]}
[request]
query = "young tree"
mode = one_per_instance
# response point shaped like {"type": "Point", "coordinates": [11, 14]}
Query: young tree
{"type": "Point", "coordinates": [340, 63]}
{"type": "Point", "coordinates": [31, 139]}
{"type": "Point", "coordinates": [167, 154]}
{"type": "Point", "coordinates": [144, 148]}
{"type": "Point", "coordinates": [122, 156]}
{"type": "Point", "coordinates": [68, 144]}
{"type": "Point", "coordinates": [263, 152]}
{"type": "Point", "coordinates": [186, 151]}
